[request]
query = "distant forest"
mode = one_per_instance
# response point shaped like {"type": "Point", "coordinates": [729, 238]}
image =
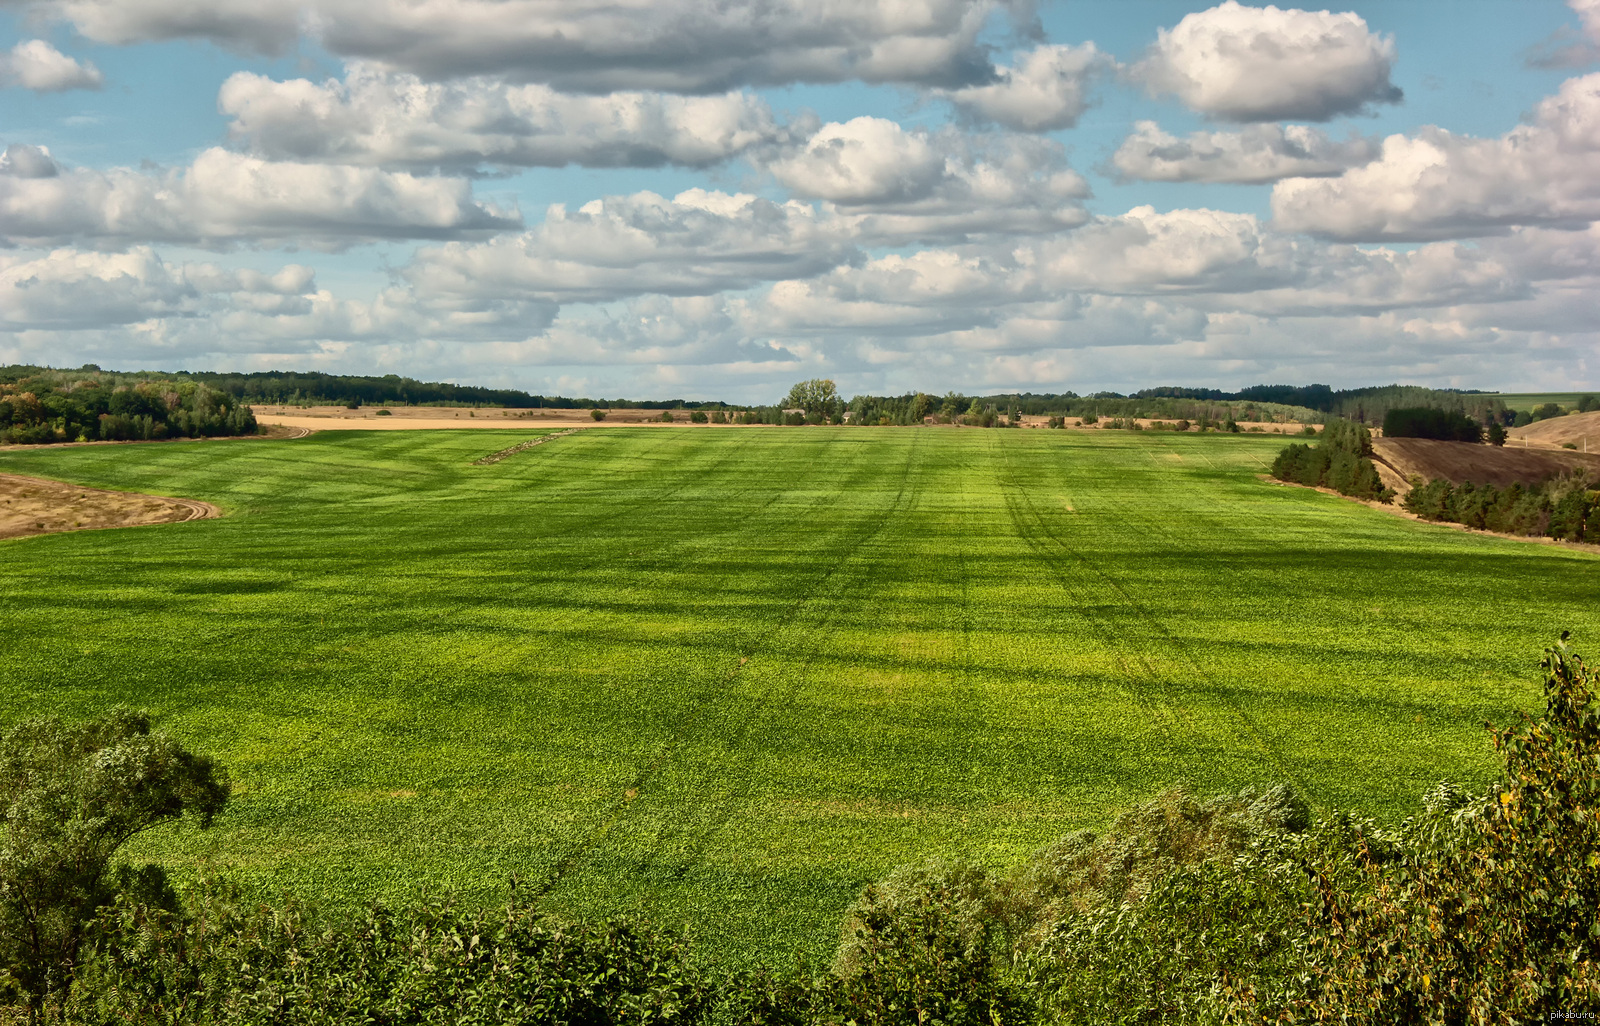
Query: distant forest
{"type": "Point", "coordinates": [39, 406]}
{"type": "Point", "coordinates": [1280, 403]}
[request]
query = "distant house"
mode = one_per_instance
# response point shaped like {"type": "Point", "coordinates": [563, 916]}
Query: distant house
{"type": "Point", "coordinates": [850, 415]}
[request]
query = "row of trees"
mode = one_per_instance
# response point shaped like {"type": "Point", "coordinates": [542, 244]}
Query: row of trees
{"type": "Point", "coordinates": [1545, 411]}
{"type": "Point", "coordinates": [1441, 425]}
{"type": "Point", "coordinates": [1342, 462]}
{"type": "Point", "coordinates": [60, 408]}
{"type": "Point", "coordinates": [1567, 508]}
{"type": "Point", "coordinates": [1244, 908]}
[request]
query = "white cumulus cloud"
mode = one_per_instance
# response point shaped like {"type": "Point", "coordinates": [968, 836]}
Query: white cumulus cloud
{"type": "Point", "coordinates": [1253, 154]}
{"type": "Point", "coordinates": [599, 46]}
{"type": "Point", "coordinates": [894, 186]}
{"type": "Point", "coordinates": [696, 243]}
{"type": "Point", "coordinates": [1047, 88]}
{"type": "Point", "coordinates": [374, 117]}
{"type": "Point", "coordinates": [35, 64]}
{"type": "Point", "coordinates": [225, 198]}
{"type": "Point", "coordinates": [1238, 63]}
{"type": "Point", "coordinates": [70, 288]}
{"type": "Point", "coordinates": [1435, 184]}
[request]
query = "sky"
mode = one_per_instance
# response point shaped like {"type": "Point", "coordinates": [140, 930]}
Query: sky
{"type": "Point", "coordinates": [678, 198]}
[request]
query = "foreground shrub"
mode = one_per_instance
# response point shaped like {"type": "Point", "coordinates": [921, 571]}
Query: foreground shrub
{"type": "Point", "coordinates": [70, 796]}
{"type": "Point", "coordinates": [226, 959]}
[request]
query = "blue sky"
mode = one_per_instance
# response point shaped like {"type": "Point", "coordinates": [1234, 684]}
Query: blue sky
{"type": "Point", "coordinates": [717, 202]}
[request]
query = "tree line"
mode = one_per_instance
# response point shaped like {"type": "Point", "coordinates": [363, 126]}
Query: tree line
{"type": "Point", "coordinates": [1342, 462]}
{"type": "Point", "coordinates": [85, 406]}
{"type": "Point", "coordinates": [1566, 508]}
{"type": "Point", "coordinates": [1234, 909]}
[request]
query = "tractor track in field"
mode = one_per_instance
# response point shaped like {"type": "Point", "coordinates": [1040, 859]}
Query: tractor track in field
{"type": "Point", "coordinates": [815, 639]}
{"type": "Point", "coordinates": [1167, 637]}
{"type": "Point", "coordinates": [693, 715]}
{"type": "Point", "coordinates": [1020, 510]}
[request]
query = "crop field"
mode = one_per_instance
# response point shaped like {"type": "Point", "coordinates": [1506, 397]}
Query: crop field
{"type": "Point", "coordinates": [1526, 401]}
{"type": "Point", "coordinates": [722, 678]}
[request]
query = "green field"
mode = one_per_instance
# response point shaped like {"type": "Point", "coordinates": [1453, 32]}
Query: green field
{"type": "Point", "coordinates": [723, 677]}
{"type": "Point", "coordinates": [1526, 401]}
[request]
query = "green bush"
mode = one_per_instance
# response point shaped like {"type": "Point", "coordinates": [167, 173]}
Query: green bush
{"type": "Point", "coordinates": [70, 796]}
{"type": "Point", "coordinates": [226, 959]}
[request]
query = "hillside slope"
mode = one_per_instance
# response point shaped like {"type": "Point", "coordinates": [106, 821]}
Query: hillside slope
{"type": "Point", "coordinates": [1399, 458]}
{"type": "Point", "coordinates": [1578, 428]}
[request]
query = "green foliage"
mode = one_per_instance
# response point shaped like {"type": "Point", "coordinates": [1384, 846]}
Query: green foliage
{"type": "Point", "coordinates": [1557, 509]}
{"type": "Point", "coordinates": [225, 959]}
{"type": "Point", "coordinates": [597, 414]}
{"type": "Point", "coordinates": [698, 417]}
{"type": "Point", "coordinates": [1496, 434]}
{"type": "Point", "coordinates": [928, 945]}
{"type": "Point", "coordinates": [819, 397]}
{"type": "Point", "coordinates": [1487, 914]}
{"type": "Point", "coordinates": [60, 407]}
{"type": "Point", "coordinates": [1587, 404]}
{"type": "Point", "coordinates": [1544, 411]}
{"type": "Point", "coordinates": [1424, 422]}
{"type": "Point", "coordinates": [1341, 462]}
{"type": "Point", "coordinates": [71, 795]}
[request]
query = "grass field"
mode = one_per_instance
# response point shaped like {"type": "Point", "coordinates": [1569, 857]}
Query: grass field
{"type": "Point", "coordinates": [1526, 401]}
{"type": "Point", "coordinates": [723, 678]}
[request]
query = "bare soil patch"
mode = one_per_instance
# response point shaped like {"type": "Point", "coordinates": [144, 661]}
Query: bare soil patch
{"type": "Point", "coordinates": [1398, 459]}
{"type": "Point", "coordinates": [34, 505]}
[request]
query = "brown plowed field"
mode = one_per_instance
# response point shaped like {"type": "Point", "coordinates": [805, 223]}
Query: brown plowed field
{"type": "Point", "coordinates": [33, 505]}
{"type": "Point", "coordinates": [1399, 458]}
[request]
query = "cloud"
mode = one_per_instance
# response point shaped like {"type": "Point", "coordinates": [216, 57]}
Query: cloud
{"type": "Point", "coordinates": [35, 64]}
{"type": "Point", "coordinates": [242, 25]}
{"type": "Point", "coordinates": [1588, 12]}
{"type": "Point", "coordinates": [69, 288]}
{"type": "Point", "coordinates": [1254, 154]}
{"type": "Point", "coordinates": [1566, 48]}
{"type": "Point", "coordinates": [224, 198]}
{"type": "Point", "coordinates": [1436, 185]}
{"type": "Point", "coordinates": [23, 161]}
{"type": "Point", "coordinates": [397, 120]}
{"type": "Point", "coordinates": [1194, 295]}
{"type": "Point", "coordinates": [1237, 63]}
{"type": "Point", "coordinates": [696, 243]}
{"type": "Point", "coordinates": [595, 46]}
{"type": "Point", "coordinates": [1048, 88]}
{"type": "Point", "coordinates": [893, 186]}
